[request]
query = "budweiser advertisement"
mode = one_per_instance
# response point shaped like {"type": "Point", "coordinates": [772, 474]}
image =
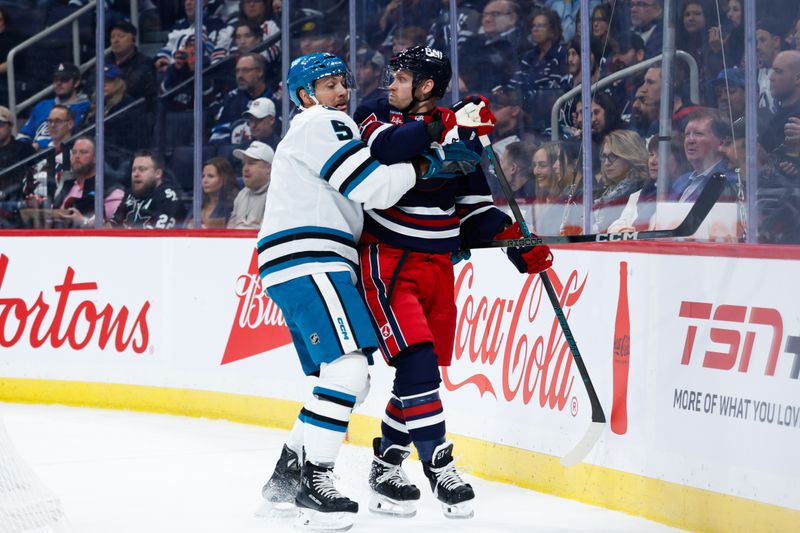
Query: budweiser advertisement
{"type": "Point", "coordinates": [695, 358]}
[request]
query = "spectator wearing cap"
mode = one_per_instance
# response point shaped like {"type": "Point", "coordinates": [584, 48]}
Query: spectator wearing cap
{"type": "Point", "coordinates": [248, 207]}
{"type": "Point", "coordinates": [250, 85]}
{"type": "Point", "coordinates": [768, 44]}
{"type": "Point", "coordinates": [729, 88]}
{"type": "Point", "coordinates": [11, 151]}
{"type": "Point", "coordinates": [261, 122]}
{"type": "Point", "coordinates": [181, 69]}
{"type": "Point", "coordinates": [66, 86]}
{"type": "Point", "coordinates": [647, 21]}
{"type": "Point", "coordinates": [568, 13]}
{"type": "Point", "coordinates": [506, 104]}
{"type": "Point", "coordinates": [137, 69]}
{"type": "Point", "coordinates": [369, 73]}
{"type": "Point", "coordinates": [627, 49]}
{"type": "Point", "coordinates": [317, 36]}
{"type": "Point", "coordinates": [491, 57]}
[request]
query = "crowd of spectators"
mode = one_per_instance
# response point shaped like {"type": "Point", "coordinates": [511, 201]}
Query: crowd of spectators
{"type": "Point", "coordinates": [523, 55]}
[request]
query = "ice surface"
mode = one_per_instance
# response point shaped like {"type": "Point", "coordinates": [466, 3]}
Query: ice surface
{"type": "Point", "coordinates": [121, 472]}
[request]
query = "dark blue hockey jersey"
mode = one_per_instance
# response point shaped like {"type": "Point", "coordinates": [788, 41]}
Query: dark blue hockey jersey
{"type": "Point", "coordinates": [436, 215]}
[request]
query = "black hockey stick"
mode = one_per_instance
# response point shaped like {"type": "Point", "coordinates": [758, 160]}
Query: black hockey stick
{"type": "Point", "coordinates": [697, 214]}
{"type": "Point", "coordinates": [598, 417]}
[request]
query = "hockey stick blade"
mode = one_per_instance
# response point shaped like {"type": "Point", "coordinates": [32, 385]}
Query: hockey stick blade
{"type": "Point", "coordinates": [585, 445]}
{"type": "Point", "coordinates": [598, 417]}
{"type": "Point", "coordinates": [688, 226]}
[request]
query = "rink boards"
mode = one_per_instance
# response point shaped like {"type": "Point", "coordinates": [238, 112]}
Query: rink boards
{"type": "Point", "coordinates": [177, 323]}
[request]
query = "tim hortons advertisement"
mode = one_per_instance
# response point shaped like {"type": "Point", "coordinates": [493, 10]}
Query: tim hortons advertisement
{"type": "Point", "coordinates": [694, 359]}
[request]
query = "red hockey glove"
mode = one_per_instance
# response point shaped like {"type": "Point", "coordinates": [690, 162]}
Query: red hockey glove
{"type": "Point", "coordinates": [473, 113]}
{"type": "Point", "coordinates": [443, 121]}
{"type": "Point", "coordinates": [528, 260]}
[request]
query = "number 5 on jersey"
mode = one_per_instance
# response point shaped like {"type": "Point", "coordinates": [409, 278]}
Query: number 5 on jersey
{"type": "Point", "coordinates": [343, 133]}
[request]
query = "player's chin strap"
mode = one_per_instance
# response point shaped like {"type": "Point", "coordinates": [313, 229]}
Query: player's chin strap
{"type": "Point", "coordinates": [598, 417]}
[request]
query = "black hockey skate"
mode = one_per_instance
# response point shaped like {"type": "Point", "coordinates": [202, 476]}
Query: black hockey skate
{"type": "Point", "coordinates": [322, 507]}
{"type": "Point", "coordinates": [280, 489]}
{"type": "Point", "coordinates": [393, 493]}
{"type": "Point", "coordinates": [453, 493]}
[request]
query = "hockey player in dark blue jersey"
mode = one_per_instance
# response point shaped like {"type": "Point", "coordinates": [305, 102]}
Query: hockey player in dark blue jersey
{"type": "Point", "coordinates": [407, 273]}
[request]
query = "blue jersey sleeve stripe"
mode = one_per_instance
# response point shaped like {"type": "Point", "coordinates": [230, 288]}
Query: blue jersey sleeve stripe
{"type": "Point", "coordinates": [263, 241]}
{"type": "Point", "coordinates": [359, 175]}
{"type": "Point", "coordinates": [340, 157]}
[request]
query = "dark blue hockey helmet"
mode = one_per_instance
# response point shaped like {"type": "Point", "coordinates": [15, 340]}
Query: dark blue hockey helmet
{"type": "Point", "coordinates": [425, 64]}
{"type": "Point", "coordinates": [307, 69]}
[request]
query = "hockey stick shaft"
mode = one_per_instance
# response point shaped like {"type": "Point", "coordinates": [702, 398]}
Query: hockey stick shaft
{"type": "Point", "coordinates": [597, 409]}
{"type": "Point", "coordinates": [697, 214]}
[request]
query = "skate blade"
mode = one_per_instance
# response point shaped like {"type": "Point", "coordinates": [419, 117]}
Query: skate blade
{"type": "Point", "coordinates": [310, 520]}
{"type": "Point", "coordinates": [461, 510]}
{"type": "Point", "coordinates": [276, 510]}
{"type": "Point", "coordinates": [380, 504]}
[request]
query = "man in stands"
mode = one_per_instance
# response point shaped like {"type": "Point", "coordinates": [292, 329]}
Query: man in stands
{"type": "Point", "coordinates": [646, 17]}
{"type": "Point", "coordinates": [507, 106]}
{"type": "Point", "coordinates": [785, 89]}
{"type": "Point", "coordinates": [66, 86]}
{"type": "Point", "coordinates": [369, 75]}
{"type": "Point", "coordinates": [248, 207]}
{"type": "Point", "coordinates": [702, 145]}
{"type": "Point", "coordinates": [137, 69]}
{"type": "Point", "coordinates": [768, 44]}
{"type": "Point", "coordinates": [250, 85]}
{"type": "Point", "coordinates": [261, 121]}
{"type": "Point", "coordinates": [151, 203]}
{"type": "Point", "coordinates": [76, 192]}
{"type": "Point", "coordinates": [729, 87]}
{"type": "Point", "coordinates": [216, 41]}
{"type": "Point", "coordinates": [39, 190]}
{"type": "Point", "coordinates": [11, 151]}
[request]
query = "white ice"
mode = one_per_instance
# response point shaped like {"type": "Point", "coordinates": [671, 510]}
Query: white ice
{"type": "Point", "coordinates": [120, 472]}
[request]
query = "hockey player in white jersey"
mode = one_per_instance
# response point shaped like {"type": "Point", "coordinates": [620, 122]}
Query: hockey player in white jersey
{"type": "Point", "coordinates": [323, 177]}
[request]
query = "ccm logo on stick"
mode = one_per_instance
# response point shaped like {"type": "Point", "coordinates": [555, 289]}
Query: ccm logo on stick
{"type": "Point", "coordinates": [624, 236]}
{"type": "Point", "coordinates": [741, 319]}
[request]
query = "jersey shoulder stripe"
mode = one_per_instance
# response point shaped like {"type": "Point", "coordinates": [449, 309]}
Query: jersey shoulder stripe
{"type": "Point", "coordinates": [305, 232]}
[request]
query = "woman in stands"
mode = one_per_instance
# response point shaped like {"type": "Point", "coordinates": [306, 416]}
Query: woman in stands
{"type": "Point", "coordinates": [623, 171]}
{"type": "Point", "coordinates": [219, 190]}
{"type": "Point", "coordinates": [554, 175]}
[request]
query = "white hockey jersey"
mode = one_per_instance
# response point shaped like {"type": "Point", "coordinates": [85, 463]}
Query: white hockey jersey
{"type": "Point", "coordinates": [323, 177]}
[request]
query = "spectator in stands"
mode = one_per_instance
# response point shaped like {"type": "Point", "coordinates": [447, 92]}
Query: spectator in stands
{"type": "Point", "coordinates": [115, 97]}
{"type": "Point", "coordinates": [623, 171]}
{"type": "Point", "coordinates": [76, 192]}
{"type": "Point", "coordinates": [729, 87]}
{"type": "Point", "coordinates": [404, 12]}
{"type": "Point", "coordinates": [681, 107]}
{"type": "Point", "coordinates": [39, 186]}
{"type": "Point", "coordinates": [219, 191]}
{"type": "Point", "coordinates": [246, 34]}
{"type": "Point", "coordinates": [543, 68]}
{"type": "Point", "coordinates": [641, 206]}
{"type": "Point", "coordinates": [702, 146]}
{"type": "Point", "coordinates": [627, 49]}
{"type": "Point", "coordinates": [646, 18]}
{"type": "Point", "coordinates": [318, 37]}
{"type": "Point", "coordinates": [601, 22]}
{"type": "Point", "coordinates": [369, 75]}
{"type": "Point", "coordinates": [730, 38]}
{"type": "Point", "coordinates": [261, 122]}
{"type": "Point", "coordinates": [643, 112]}
{"type": "Point", "coordinates": [768, 44]}
{"type": "Point", "coordinates": [151, 203]}
{"type": "Point", "coordinates": [552, 188]}
{"type": "Point", "coordinates": [516, 165]}
{"type": "Point", "coordinates": [181, 69]}
{"type": "Point", "coordinates": [567, 11]}
{"type": "Point", "coordinates": [573, 78]}
{"type": "Point", "coordinates": [11, 151]}
{"type": "Point", "coordinates": [468, 24]}
{"type": "Point", "coordinates": [137, 70]}
{"type": "Point", "coordinates": [692, 32]}
{"type": "Point", "coordinates": [785, 89]}
{"type": "Point", "coordinates": [795, 38]}
{"type": "Point", "coordinates": [506, 104]}
{"type": "Point", "coordinates": [217, 37]}
{"type": "Point", "coordinates": [605, 118]}
{"type": "Point", "coordinates": [248, 207]}
{"type": "Point", "coordinates": [407, 36]}
{"type": "Point", "coordinates": [490, 58]}
{"type": "Point", "coordinates": [259, 12]}
{"type": "Point", "coordinates": [250, 85]}
{"type": "Point", "coordinates": [66, 86]}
